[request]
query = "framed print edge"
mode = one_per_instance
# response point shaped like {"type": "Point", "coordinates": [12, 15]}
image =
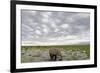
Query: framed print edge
{"type": "Point", "coordinates": [13, 36]}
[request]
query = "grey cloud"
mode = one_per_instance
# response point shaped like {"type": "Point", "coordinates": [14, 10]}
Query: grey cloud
{"type": "Point", "coordinates": [49, 23]}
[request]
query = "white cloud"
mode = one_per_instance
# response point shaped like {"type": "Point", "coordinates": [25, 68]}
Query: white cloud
{"type": "Point", "coordinates": [29, 12]}
{"type": "Point", "coordinates": [56, 30]}
{"type": "Point", "coordinates": [45, 20]}
{"type": "Point", "coordinates": [70, 19]}
{"type": "Point", "coordinates": [43, 27]}
{"type": "Point", "coordinates": [84, 15]}
{"type": "Point", "coordinates": [78, 16]}
{"type": "Point", "coordinates": [26, 27]}
{"type": "Point", "coordinates": [53, 25]}
{"type": "Point", "coordinates": [65, 26]}
{"type": "Point", "coordinates": [38, 32]}
{"type": "Point", "coordinates": [45, 30]}
{"type": "Point", "coordinates": [33, 12]}
{"type": "Point", "coordinates": [38, 27]}
{"type": "Point", "coordinates": [46, 14]}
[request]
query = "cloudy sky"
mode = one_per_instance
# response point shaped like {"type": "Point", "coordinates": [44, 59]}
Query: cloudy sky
{"type": "Point", "coordinates": [54, 27]}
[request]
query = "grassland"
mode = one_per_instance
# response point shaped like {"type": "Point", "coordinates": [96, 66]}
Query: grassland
{"type": "Point", "coordinates": [40, 53]}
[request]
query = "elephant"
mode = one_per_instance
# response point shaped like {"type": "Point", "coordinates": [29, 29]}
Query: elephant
{"type": "Point", "coordinates": [55, 54]}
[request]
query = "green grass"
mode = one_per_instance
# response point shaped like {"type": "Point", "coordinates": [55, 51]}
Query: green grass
{"type": "Point", "coordinates": [66, 48]}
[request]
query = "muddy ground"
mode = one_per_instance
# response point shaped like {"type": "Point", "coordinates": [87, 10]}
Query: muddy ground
{"type": "Point", "coordinates": [40, 54]}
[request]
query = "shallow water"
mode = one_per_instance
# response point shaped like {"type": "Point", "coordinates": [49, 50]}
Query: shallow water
{"type": "Point", "coordinates": [38, 55]}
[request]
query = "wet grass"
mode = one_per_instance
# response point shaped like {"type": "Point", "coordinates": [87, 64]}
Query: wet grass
{"type": "Point", "coordinates": [40, 53]}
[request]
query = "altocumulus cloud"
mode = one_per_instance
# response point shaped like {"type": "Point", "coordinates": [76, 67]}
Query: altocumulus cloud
{"type": "Point", "coordinates": [54, 27]}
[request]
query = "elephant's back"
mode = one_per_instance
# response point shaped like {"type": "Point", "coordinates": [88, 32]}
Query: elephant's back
{"type": "Point", "coordinates": [54, 51]}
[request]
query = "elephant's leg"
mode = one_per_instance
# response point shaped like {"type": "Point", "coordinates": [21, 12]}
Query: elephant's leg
{"type": "Point", "coordinates": [51, 57]}
{"type": "Point", "coordinates": [55, 57]}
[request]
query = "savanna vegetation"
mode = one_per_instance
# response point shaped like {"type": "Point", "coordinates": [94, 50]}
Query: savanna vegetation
{"type": "Point", "coordinates": [41, 53]}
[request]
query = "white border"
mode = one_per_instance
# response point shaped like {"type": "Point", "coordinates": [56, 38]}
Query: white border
{"type": "Point", "coordinates": [20, 65]}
